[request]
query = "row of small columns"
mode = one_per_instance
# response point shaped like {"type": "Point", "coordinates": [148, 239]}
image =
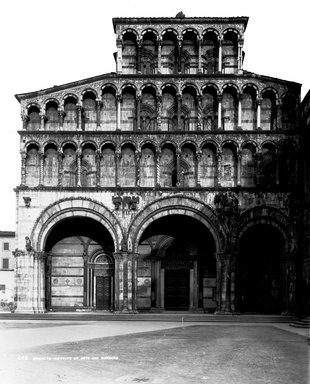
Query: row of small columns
{"type": "Point", "coordinates": [137, 161]}
{"type": "Point", "coordinates": [119, 44]}
{"type": "Point", "coordinates": [61, 113]}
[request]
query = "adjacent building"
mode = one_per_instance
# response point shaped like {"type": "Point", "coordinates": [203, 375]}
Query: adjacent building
{"type": "Point", "coordinates": [172, 183]}
{"type": "Point", "coordinates": [7, 286]}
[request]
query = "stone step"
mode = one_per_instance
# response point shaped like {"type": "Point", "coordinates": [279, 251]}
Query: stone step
{"type": "Point", "coordinates": [301, 323]}
{"type": "Point", "coordinates": [167, 317]}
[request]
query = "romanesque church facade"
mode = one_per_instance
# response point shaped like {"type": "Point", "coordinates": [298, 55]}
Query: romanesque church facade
{"type": "Point", "coordinates": [170, 184]}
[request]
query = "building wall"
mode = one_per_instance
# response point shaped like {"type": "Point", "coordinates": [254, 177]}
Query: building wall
{"type": "Point", "coordinates": [180, 135]}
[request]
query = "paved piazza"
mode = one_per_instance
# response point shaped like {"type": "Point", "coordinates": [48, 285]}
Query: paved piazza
{"type": "Point", "coordinates": [152, 352]}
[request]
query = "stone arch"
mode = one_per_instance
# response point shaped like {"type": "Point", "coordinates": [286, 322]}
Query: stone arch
{"type": "Point", "coordinates": [179, 205]}
{"type": "Point", "coordinates": [264, 215]}
{"type": "Point", "coordinates": [74, 207]}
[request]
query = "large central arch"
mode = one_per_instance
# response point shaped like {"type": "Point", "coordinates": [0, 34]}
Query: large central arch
{"type": "Point", "coordinates": [176, 240]}
{"type": "Point", "coordinates": [176, 205]}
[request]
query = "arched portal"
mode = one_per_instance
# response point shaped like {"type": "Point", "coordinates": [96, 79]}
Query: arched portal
{"type": "Point", "coordinates": [176, 266]}
{"type": "Point", "coordinates": [80, 267]}
{"type": "Point", "coordinates": [260, 270]}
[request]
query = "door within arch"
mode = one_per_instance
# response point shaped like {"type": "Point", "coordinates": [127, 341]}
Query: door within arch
{"type": "Point", "coordinates": [80, 266]}
{"type": "Point", "coordinates": [176, 266]}
{"type": "Point", "coordinates": [260, 270]}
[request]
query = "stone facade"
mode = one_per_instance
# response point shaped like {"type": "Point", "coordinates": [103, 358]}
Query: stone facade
{"type": "Point", "coordinates": [169, 184]}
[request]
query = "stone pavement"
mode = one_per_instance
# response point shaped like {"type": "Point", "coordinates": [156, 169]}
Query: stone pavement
{"type": "Point", "coordinates": [74, 352]}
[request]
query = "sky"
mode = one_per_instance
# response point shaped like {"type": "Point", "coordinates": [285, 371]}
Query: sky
{"type": "Point", "coordinates": [46, 43]}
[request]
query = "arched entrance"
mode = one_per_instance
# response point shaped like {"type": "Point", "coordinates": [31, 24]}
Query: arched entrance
{"type": "Point", "coordinates": [80, 266]}
{"type": "Point", "coordinates": [176, 267]}
{"type": "Point", "coordinates": [260, 270]}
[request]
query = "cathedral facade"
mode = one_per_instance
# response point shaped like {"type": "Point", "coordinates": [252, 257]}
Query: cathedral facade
{"type": "Point", "coordinates": [170, 184]}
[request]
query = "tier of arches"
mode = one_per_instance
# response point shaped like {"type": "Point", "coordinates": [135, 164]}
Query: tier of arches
{"type": "Point", "coordinates": [188, 52]}
{"type": "Point", "coordinates": [183, 238]}
{"type": "Point", "coordinates": [185, 166]}
{"type": "Point", "coordinates": [193, 109]}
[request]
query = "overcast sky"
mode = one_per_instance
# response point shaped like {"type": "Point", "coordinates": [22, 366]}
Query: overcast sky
{"type": "Point", "coordinates": [45, 43]}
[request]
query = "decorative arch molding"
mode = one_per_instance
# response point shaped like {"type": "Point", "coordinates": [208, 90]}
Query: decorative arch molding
{"type": "Point", "coordinates": [212, 86]}
{"type": "Point", "coordinates": [269, 89]}
{"type": "Point", "coordinates": [50, 142]}
{"type": "Point", "coordinates": [150, 143]}
{"type": "Point", "coordinates": [107, 142]}
{"type": "Point", "coordinates": [250, 142]}
{"type": "Point", "coordinates": [212, 30]}
{"type": "Point", "coordinates": [89, 142]}
{"type": "Point", "coordinates": [90, 90]}
{"type": "Point", "coordinates": [168, 142]}
{"type": "Point", "coordinates": [231, 30]}
{"type": "Point", "coordinates": [32, 142]}
{"type": "Point", "coordinates": [174, 31]}
{"type": "Point", "coordinates": [51, 99]}
{"type": "Point", "coordinates": [130, 30]}
{"type": "Point", "coordinates": [108, 85]}
{"type": "Point", "coordinates": [74, 207]}
{"type": "Point", "coordinates": [209, 142]}
{"type": "Point", "coordinates": [264, 215]}
{"type": "Point", "coordinates": [150, 30]}
{"type": "Point", "coordinates": [179, 205]}
{"type": "Point", "coordinates": [189, 142]}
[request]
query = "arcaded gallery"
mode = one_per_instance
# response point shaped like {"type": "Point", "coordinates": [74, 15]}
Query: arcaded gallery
{"type": "Point", "coordinates": [167, 185]}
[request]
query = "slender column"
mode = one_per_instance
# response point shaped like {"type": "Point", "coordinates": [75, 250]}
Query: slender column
{"type": "Point", "coordinates": [277, 166]}
{"type": "Point", "coordinates": [191, 289]}
{"type": "Point", "coordinates": [41, 170]}
{"type": "Point", "coordinates": [219, 113]}
{"type": "Point", "coordinates": [159, 43]}
{"type": "Point", "coordinates": [42, 119]}
{"type": "Point", "coordinates": [198, 171]}
{"type": "Point", "coordinates": [42, 256]}
{"type": "Point", "coordinates": [138, 112]}
{"type": "Point", "coordinates": [119, 63]}
{"type": "Point", "coordinates": [199, 112]}
{"type": "Point", "coordinates": [60, 167]}
{"type": "Point", "coordinates": [157, 173]}
{"type": "Point", "coordinates": [162, 289]}
{"type": "Point", "coordinates": [79, 117]}
{"type": "Point", "coordinates": [117, 165]}
{"type": "Point", "coordinates": [289, 284]}
{"type": "Point", "coordinates": [239, 157]}
{"type": "Point", "coordinates": [258, 170]}
{"type": "Point", "coordinates": [223, 283]}
{"type": "Point", "coordinates": [240, 46]}
{"type": "Point", "coordinates": [179, 47]}
{"type": "Point", "coordinates": [199, 41]}
{"type": "Point", "coordinates": [240, 111]}
{"type": "Point", "coordinates": [138, 176]}
{"type": "Point", "coordinates": [179, 103]}
{"type": "Point", "coordinates": [78, 160]}
{"type": "Point", "coordinates": [25, 119]}
{"type": "Point", "coordinates": [61, 118]}
{"type": "Point", "coordinates": [220, 56]}
{"type": "Point", "coordinates": [179, 175]}
{"type": "Point", "coordinates": [119, 281]}
{"type": "Point", "coordinates": [85, 259]}
{"type": "Point", "coordinates": [159, 111]}
{"type": "Point", "coordinates": [139, 49]}
{"type": "Point", "coordinates": [48, 280]}
{"type": "Point", "coordinates": [219, 168]}
{"type": "Point", "coordinates": [98, 158]}
{"type": "Point", "coordinates": [118, 103]}
{"type": "Point", "coordinates": [157, 284]}
{"type": "Point", "coordinates": [278, 114]}
{"type": "Point", "coordinates": [23, 167]}
{"type": "Point", "coordinates": [98, 110]}
{"type": "Point", "coordinates": [132, 282]}
{"type": "Point", "coordinates": [259, 103]}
